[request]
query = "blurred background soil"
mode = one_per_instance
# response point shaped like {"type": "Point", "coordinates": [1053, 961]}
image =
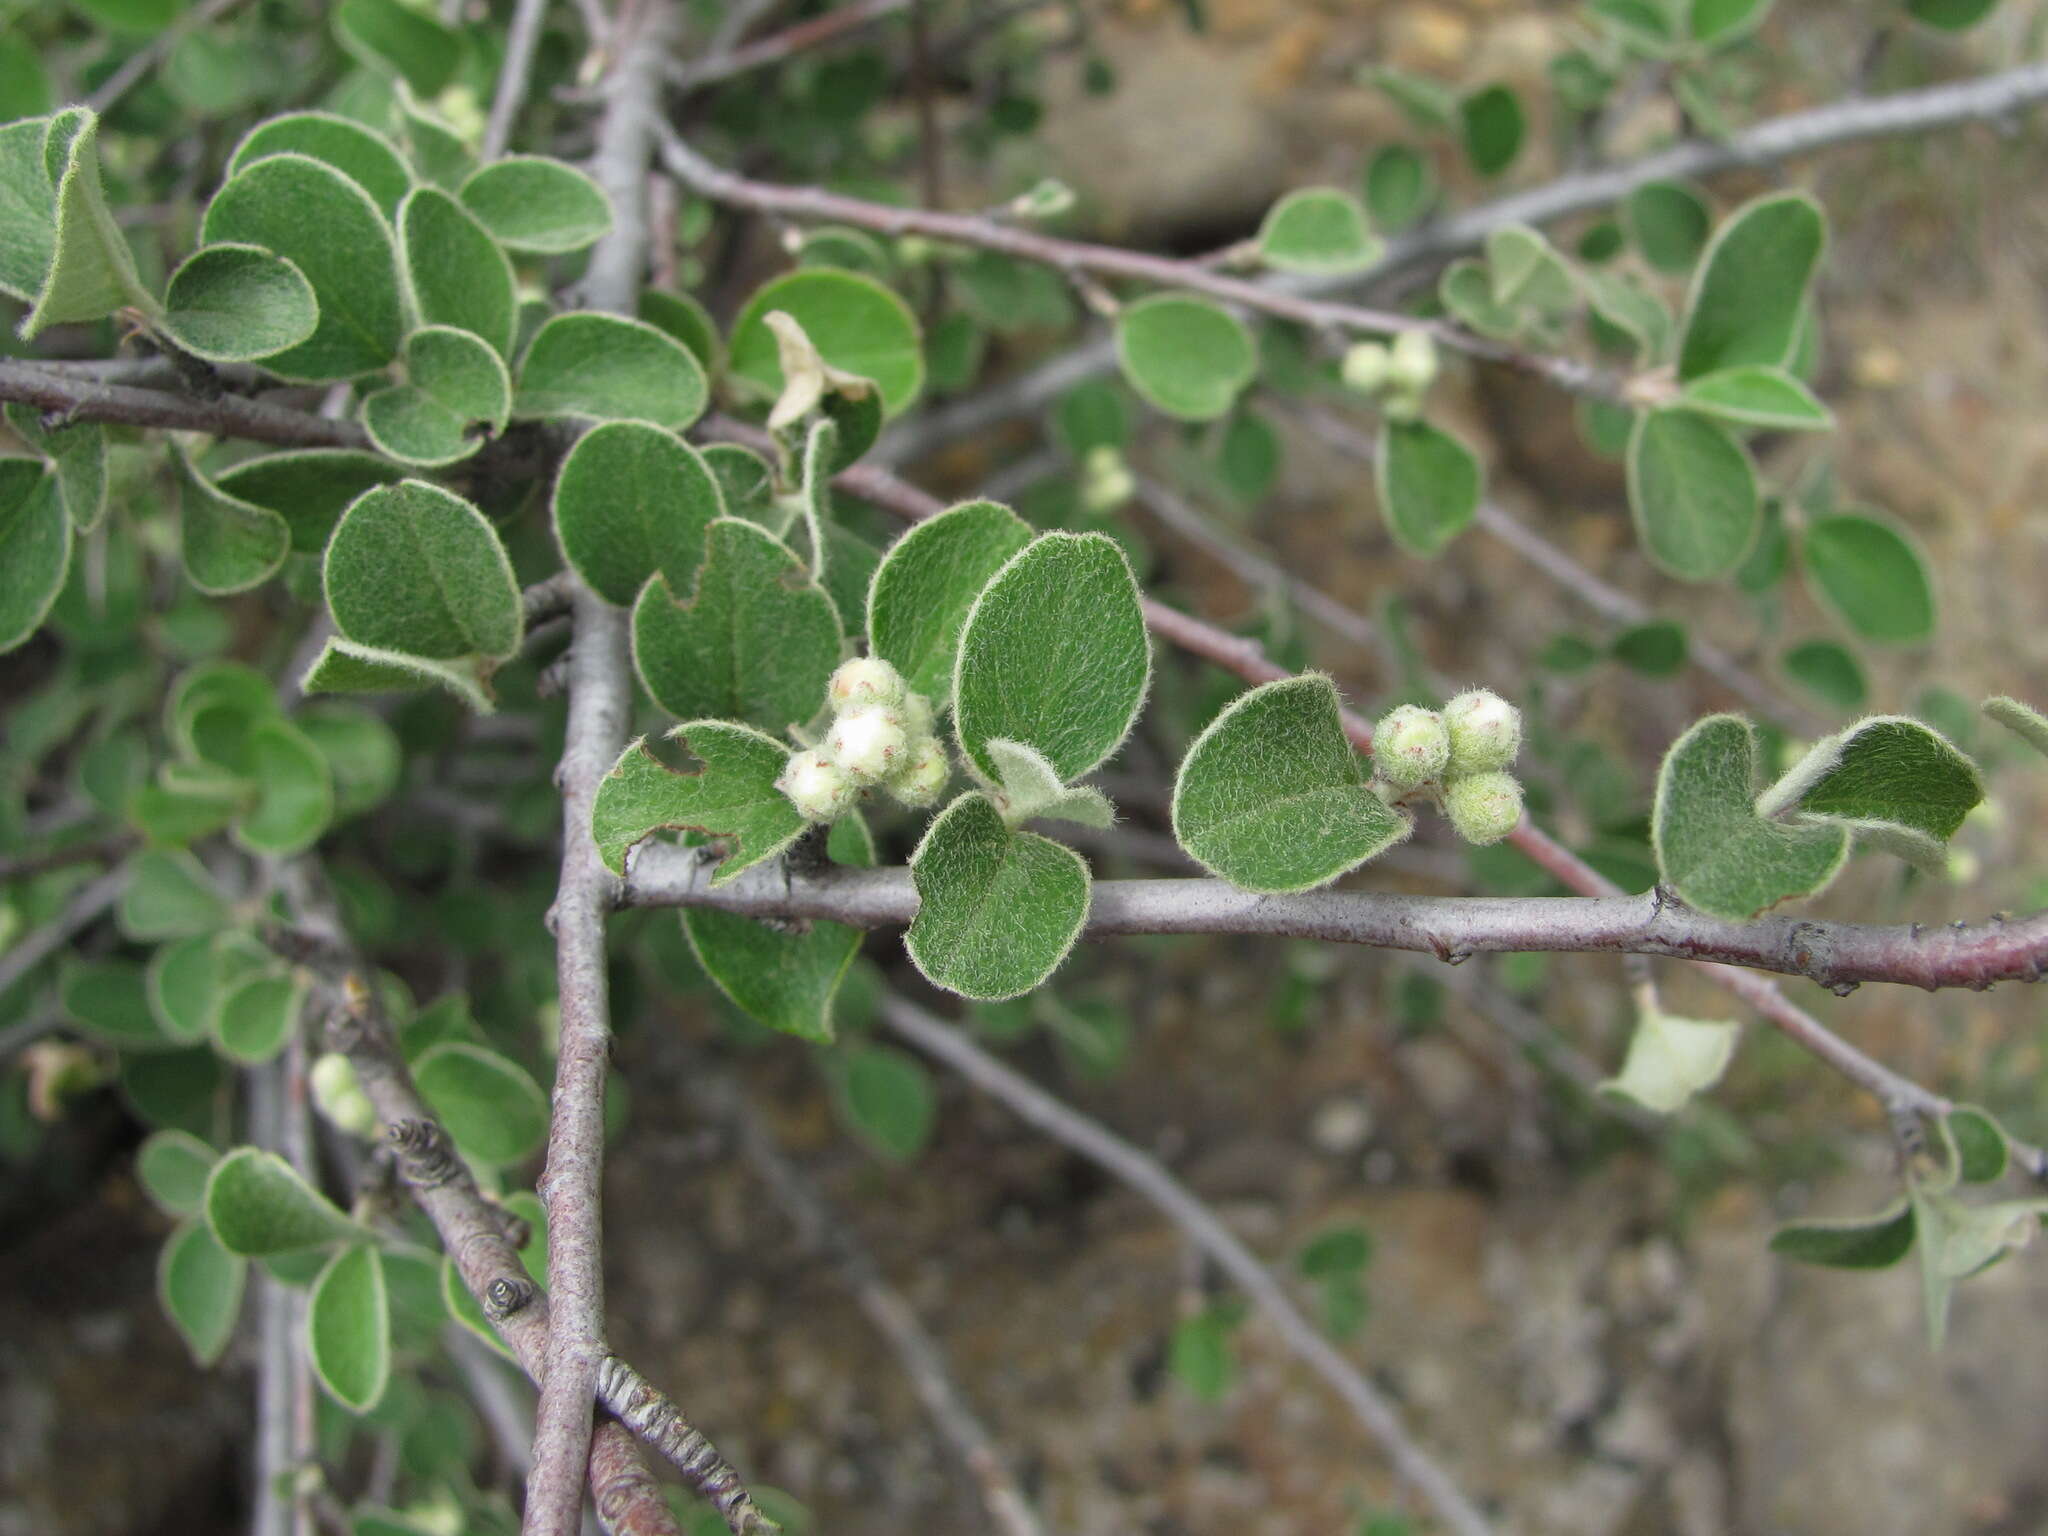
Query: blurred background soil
{"type": "Point", "coordinates": [1581, 1320]}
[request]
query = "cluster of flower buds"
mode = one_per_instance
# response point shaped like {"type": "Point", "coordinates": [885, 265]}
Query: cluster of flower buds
{"type": "Point", "coordinates": [881, 736]}
{"type": "Point", "coordinates": [1465, 752]}
{"type": "Point", "coordinates": [1399, 374]}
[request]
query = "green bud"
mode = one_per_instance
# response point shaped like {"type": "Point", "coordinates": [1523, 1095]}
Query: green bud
{"type": "Point", "coordinates": [1106, 480]}
{"type": "Point", "coordinates": [816, 786]}
{"type": "Point", "coordinates": [868, 744]}
{"type": "Point", "coordinates": [1486, 731]}
{"type": "Point", "coordinates": [1401, 405]}
{"type": "Point", "coordinates": [1483, 807]}
{"type": "Point", "coordinates": [924, 774]}
{"type": "Point", "coordinates": [1411, 746]}
{"type": "Point", "coordinates": [865, 682]}
{"type": "Point", "coordinates": [1365, 368]}
{"type": "Point", "coordinates": [1412, 364]}
{"type": "Point", "coordinates": [339, 1096]}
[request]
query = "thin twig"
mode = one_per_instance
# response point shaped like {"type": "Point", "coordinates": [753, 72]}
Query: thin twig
{"type": "Point", "coordinates": [801, 38]}
{"type": "Point", "coordinates": [919, 1353]}
{"type": "Point", "coordinates": [514, 74]}
{"type": "Point", "coordinates": [79, 913]}
{"type": "Point", "coordinates": [138, 64]}
{"type": "Point", "coordinates": [600, 707]}
{"type": "Point", "coordinates": [1148, 1178]}
{"type": "Point", "coordinates": [70, 398]}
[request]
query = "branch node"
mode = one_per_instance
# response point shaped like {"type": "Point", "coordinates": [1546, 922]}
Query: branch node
{"type": "Point", "coordinates": [426, 1155]}
{"type": "Point", "coordinates": [505, 1296]}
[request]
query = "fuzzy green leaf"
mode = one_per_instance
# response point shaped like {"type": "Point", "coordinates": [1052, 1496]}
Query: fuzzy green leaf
{"type": "Point", "coordinates": [362, 753]}
{"type": "Point", "coordinates": [1272, 797]}
{"type": "Point", "coordinates": [756, 641]}
{"type": "Point", "coordinates": [1526, 273]}
{"type": "Point", "coordinates": [1871, 575]}
{"type": "Point", "coordinates": [1860, 1242]}
{"type": "Point", "coordinates": [631, 500]}
{"type": "Point", "coordinates": [257, 1206]}
{"type": "Point", "coordinates": [1054, 654]}
{"type": "Point", "coordinates": [199, 1284]}
{"type": "Point", "coordinates": [1188, 357]}
{"type": "Point", "coordinates": [689, 322]}
{"type": "Point", "coordinates": [1758, 397]}
{"type": "Point", "coordinates": [346, 667]}
{"type": "Point", "coordinates": [416, 569]}
{"type": "Point", "coordinates": [403, 39]}
{"type": "Point", "coordinates": [228, 544]}
{"type": "Point", "coordinates": [1888, 779]}
{"type": "Point", "coordinates": [35, 548]}
{"type": "Point", "coordinates": [28, 209]}
{"type": "Point", "coordinates": [169, 896]}
{"type": "Point", "coordinates": [734, 796]}
{"type": "Point", "coordinates": [609, 368]}
{"type": "Point", "coordinates": [1982, 1151]}
{"type": "Point", "coordinates": [2024, 721]}
{"type": "Point", "coordinates": [926, 584]}
{"type": "Point", "coordinates": [92, 271]}
{"type": "Point", "coordinates": [1713, 848]}
{"type": "Point", "coordinates": [77, 456]}
{"type": "Point", "coordinates": [1656, 648]}
{"type": "Point", "coordinates": [294, 792]}
{"type": "Point", "coordinates": [538, 206]}
{"type": "Point", "coordinates": [1028, 789]}
{"type": "Point", "coordinates": [888, 1100]}
{"type": "Point", "coordinates": [1751, 286]}
{"type": "Point", "coordinates": [1669, 223]}
{"type": "Point", "coordinates": [328, 227]}
{"type": "Point", "coordinates": [1492, 124]}
{"type": "Point", "coordinates": [237, 303]}
{"type": "Point", "coordinates": [457, 397]}
{"type": "Point", "coordinates": [1318, 229]}
{"type": "Point", "coordinates": [172, 1167]}
{"type": "Point", "coordinates": [997, 909]}
{"type": "Point", "coordinates": [1950, 15]}
{"type": "Point", "coordinates": [363, 155]}
{"type": "Point", "coordinates": [857, 325]}
{"type": "Point", "coordinates": [308, 487]}
{"type": "Point", "coordinates": [1692, 491]}
{"type": "Point", "coordinates": [1625, 304]}
{"type": "Point", "coordinates": [457, 274]}
{"type": "Point", "coordinates": [783, 980]}
{"type": "Point", "coordinates": [1671, 1059]}
{"type": "Point", "coordinates": [1830, 672]}
{"type": "Point", "coordinates": [348, 1328]}
{"type": "Point", "coordinates": [1719, 22]}
{"type": "Point", "coordinates": [1429, 485]}
{"type": "Point", "coordinates": [109, 1000]}
{"type": "Point", "coordinates": [489, 1103]}
{"type": "Point", "coordinates": [1400, 186]}
{"type": "Point", "coordinates": [187, 979]}
{"type": "Point", "coordinates": [257, 1016]}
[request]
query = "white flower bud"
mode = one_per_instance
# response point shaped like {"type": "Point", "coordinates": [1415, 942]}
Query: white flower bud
{"type": "Point", "coordinates": [868, 744]}
{"type": "Point", "coordinates": [865, 682]}
{"type": "Point", "coordinates": [1411, 746]}
{"type": "Point", "coordinates": [338, 1096]}
{"type": "Point", "coordinates": [816, 786]}
{"type": "Point", "coordinates": [924, 774]}
{"type": "Point", "coordinates": [917, 717]}
{"type": "Point", "coordinates": [1486, 731]}
{"type": "Point", "coordinates": [1365, 368]}
{"type": "Point", "coordinates": [1412, 364]}
{"type": "Point", "coordinates": [1106, 480]}
{"type": "Point", "coordinates": [1483, 807]}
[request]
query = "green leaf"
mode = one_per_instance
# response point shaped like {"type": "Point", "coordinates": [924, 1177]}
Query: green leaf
{"type": "Point", "coordinates": [1429, 484]}
{"type": "Point", "coordinates": [609, 368]}
{"type": "Point", "coordinates": [1950, 15]}
{"type": "Point", "coordinates": [1751, 287]}
{"type": "Point", "coordinates": [1200, 1358]}
{"type": "Point", "coordinates": [888, 1100]}
{"type": "Point", "coordinates": [1671, 1059]}
{"type": "Point", "coordinates": [199, 1284]}
{"type": "Point", "coordinates": [1758, 397]}
{"type": "Point", "coordinates": [308, 487]}
{"type": "Point", "coordinates": [1526, 273]}
{"type": "Point", "coordinates": [631, 500]}
{"type": "Point", "coordinates": [1491, 124]}
{"type": "Point", "coordinates": [1655, 649]}
{"type": "Point", "coordinates": [172, 1167]}
{"type": "Point", "coordinates": [1829, 672]}
{"type": "Point", "coordinates": [92, 271]}
{"type": "Point", "coordinates": [1272, 797]}
{"type": "Point", "coordinates": [328, 227]}
{"type": "Point", "coordinates": [537, 206]}
{"type": "Point", "coordinates": [456, 273]}
{"type": "Point", "coordinates": [857, 325]}
{"type": "Point", "coordinates": [77, 456]}
{"type": "Point", "coordinates": [1400, 186]}
{"type": "Point", "coordinates": [734, 797]}
{"type": "Point", "coordinates": [348, 1328]}
{"type": "Point", "coordinates": [689, 322]}
{"type": "Point", "coordinates": [294, 792]}
{"type": "Point", "coordinates": [169, 896]}
{"type": "Point", "coordinates": [109, 1000]}
{"type": "Point", "coordinates": [1692, 491]}
{"type": "Point", "coordinates": [189, 801]}
{"type": "Point", "coordinates": [346, 667]}
{"type": "Point", "coordinates": [187, 978]}
{"type": "Point", "coordinates": [28, 209]}
{"type": "Point", "coordinates": [1889, 779]}
{"type": "Point", "coordinates": [402, 38]}
{"type": "Point", "coordinates": [1982, 1152]}
{"type": "Point", "coordinates": [1092, 415]}
{"type": "Point", "coordinates": [1318, 229]}
{"type": "Point", "coordinates": [237, 303]}
{"type": "Point", "coordinates": [489, 1103]}
{"type": "Point", "coordinates": [926, 584]}
{"type": "Point", "coordinates": [1335, 1251]}
{"type": "Point", "coordinates": [1618, 300]}
{"type": "Point", "coordinates": [784, 980]}
{"type": "Point", "coordinates": [257, 1016]}
{"type": "Point", "coordinates": [1028, 789]}
{"type": "Point", "coordinates": [363, 757]}
{"type": "Point", "coordinates": [2025, 722]}
{"type": "Point", "coordinates": [1718, 22]}
{"type": "Point", "coordinates": [415, 569]}
{"type": "Point", "coordinates": [35, 548]}
{"type": "Point", "coordinates": [1188, 357]}
{"type": "Point", "coordinates": [363, 155]}
{"type": "Point", "coordinates": [1054, 654]}
{"type": "Point", "coordinates": [457, 396]}
{"type": "Point", "coordinates": [756, 641]}
{"type": "Point", "coordinates": [1860, 1242]}
{"type": "Point", "coordinates": [997, 909]}
{"type": "Point", "coordinates": [1466, 289]}
{"type": "Point", "coordinates": [257, 1205]}
{"type": "Point", "coordinates": [1871, 576]}
{"type": "Point", "coordinates": [1712, 847]}
{"type": "Point", "coordinates": [228, 545]}
{"type": "Point", "coordinates": [1428, 105]}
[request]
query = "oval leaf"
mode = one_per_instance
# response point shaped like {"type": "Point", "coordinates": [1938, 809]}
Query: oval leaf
{"type": "Point", "coordinates": [1758, 397]}
{"type": "Point", "coordinates": [238, 303]}
{"type": "Point", "coordinates": [1429, 485]}
{"type": "Point", "coordinates": [538, 206]}
{"type": "Point", "coordinates": [35, 548]}
{"type": "Point", "coordinates": [1318, 229]}
{"type": "Point", "coordinates": [200, 1284]}
{"type": "Point", "coordinates": [364, 156]}
{"type": "Point", "coordinates": [926, 584]}
{"type": "Point", "coordinates": [997, 909]}
{"type": "Point", "coordinates": [1871, 576]}
{"type": "Point", "coordinates": [489, 1103]}
{"type": "Point", "coordinates": [415, 569]}
{"type": "Point", "coordinates": [631, 500]}
{"type": "Point", "coordinates": [857, 325]}
{"type": "Point", "coordinates": [1188, 357]}
{"type": "Point", "coordinates": [1751, 288]}
{"type": "Point", "coordinates": [257, 1205]}
{"type": "Point", "coordinates": [609, 368]}
{"type": "Point", "coordinates": [457, 396]}
{"type": "Point", "coordinates": [1692, 491]}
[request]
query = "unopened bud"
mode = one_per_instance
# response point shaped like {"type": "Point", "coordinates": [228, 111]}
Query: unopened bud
{"type": "Point", "coordinates": [1048, 200]}
{"type": "Point", "coordinates": [868, 744]}
{"type": "Point", "coordinates": [816, 786]}
{"type": "Point", "coordinates": [917, 716]}
{"type": "Point", "coordinates": [1106, 480]}
{"type": "Point", "coordinates": [1412, 364]}
{"type": "Point", "coordinates": [865, 682]}
{"type": "Point", "coordinates": [338, 1096]}
{"type": "Point", "coordinates": [924, 774]}
{"type": "Point", "coordinates": [1411, 746]}
{"type": "Point", "coordinates": [1365, 368]}
{"type": "Point", "coordinates": [1486, 731]}
{"type": "Point", "coordinates": [1483, 807]}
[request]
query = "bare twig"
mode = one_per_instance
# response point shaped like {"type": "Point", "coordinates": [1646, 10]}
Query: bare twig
{"type": "Point", "coordinates": [801, 38]}
{"type": "Point", "coordinates": [919, 1353]}
{"type": "Point", "coordinates": [1149, 1179]}
{"type": "Point", "coordinates": [155, 51]}
{"type": "Point", "coordinates": [79, 913]}
{"type": "Point", "coordinates": [72, 398]}
{"type": "Point", "coordinates": [521, 38]}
